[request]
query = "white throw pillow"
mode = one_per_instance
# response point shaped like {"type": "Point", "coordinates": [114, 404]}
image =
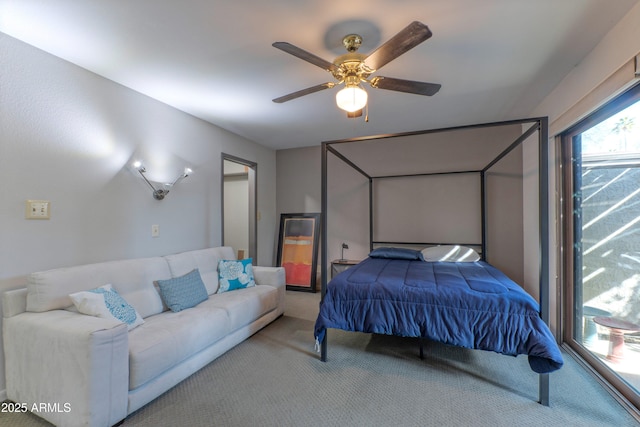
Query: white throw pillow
{"type": "Point", "coordinates": [106, 302]}
{"type": "Point", "coordinates": [450, 253]}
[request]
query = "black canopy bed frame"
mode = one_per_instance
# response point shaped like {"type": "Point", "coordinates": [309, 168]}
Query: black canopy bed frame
{"type": "Point", "coordinates": [539, 125]}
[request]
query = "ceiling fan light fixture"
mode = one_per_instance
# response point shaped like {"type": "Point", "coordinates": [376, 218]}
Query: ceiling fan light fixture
{"type": "Point", "coordinates": [351, 98]}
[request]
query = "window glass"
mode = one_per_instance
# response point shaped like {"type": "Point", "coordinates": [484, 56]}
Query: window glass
{"type": "Point", "coordinates": [605, 224]}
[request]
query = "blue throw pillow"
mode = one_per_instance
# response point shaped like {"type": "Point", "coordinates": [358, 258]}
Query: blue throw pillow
{"type": "Point", "coordinates": [183, 292]}
{"type": "Point", "coordinates": [397, 253]}
{"type": "Point", "coordinates": [235, 275]}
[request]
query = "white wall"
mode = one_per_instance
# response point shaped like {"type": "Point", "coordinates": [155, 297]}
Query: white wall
{"type": "Point", "coordinates": [68, 136]}
{"type": "Point", "coordinates": [505, 216]}
{"type": "Point", "coordinates": [531, 216]}
{"type": "Point", "coordinates": [299, 180]}
{"type": "Point", "coordinates": [620, 45]}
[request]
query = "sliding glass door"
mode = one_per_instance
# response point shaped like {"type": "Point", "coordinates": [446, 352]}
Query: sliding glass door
{"type": "Point", "coordinates": [601, 221]}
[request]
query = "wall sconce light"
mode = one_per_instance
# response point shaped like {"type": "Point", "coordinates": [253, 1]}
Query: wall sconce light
{"type": "Point", "coordinates": [344, 246]}
{"type": "Point", "coordinates": [160, 193]}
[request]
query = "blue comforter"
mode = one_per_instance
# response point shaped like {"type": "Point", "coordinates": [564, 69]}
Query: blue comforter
{"type": "Point", "coordinates": [471, 305]}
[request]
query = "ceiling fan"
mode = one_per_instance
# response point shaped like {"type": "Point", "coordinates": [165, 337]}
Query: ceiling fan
{"type": "Point", "coordinates": [354, 68]}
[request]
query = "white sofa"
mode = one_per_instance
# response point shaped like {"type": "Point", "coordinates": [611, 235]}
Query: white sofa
{"type": "Point", "coordinates": [91, 371]}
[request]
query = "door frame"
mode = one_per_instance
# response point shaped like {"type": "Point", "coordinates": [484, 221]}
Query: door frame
{"type": "Point", "coordinates": [253, 200]}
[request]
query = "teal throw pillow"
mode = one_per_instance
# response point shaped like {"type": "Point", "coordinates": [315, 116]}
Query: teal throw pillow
{"type": "Point", "coordinates": [235, 275]}
{"type": "Point", "coordinates": [183, 292]}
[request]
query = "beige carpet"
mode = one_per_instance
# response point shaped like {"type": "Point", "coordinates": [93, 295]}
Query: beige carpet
{"type": "Point", "coordinates": [276, 379]}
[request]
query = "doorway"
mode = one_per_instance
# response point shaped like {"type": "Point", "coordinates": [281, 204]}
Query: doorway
{"type": "Point", "coordinates": [239, 214]}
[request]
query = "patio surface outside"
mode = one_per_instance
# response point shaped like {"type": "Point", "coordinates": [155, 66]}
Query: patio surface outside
{"type": "Point", "coordinates": [629, 367]}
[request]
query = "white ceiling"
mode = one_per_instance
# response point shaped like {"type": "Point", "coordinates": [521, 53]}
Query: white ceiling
{"type": "Point", "coordinates": [496, 59]}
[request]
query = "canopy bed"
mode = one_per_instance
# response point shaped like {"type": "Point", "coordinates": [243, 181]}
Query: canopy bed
{"type": "Point", "coordinates": [456, 183]}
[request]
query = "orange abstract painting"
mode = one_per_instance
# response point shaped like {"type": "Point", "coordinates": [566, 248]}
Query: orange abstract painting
{"type": "Point", "coordinates": [297, 250]}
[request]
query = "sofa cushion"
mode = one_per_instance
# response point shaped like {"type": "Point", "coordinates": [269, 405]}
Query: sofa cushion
{"type": "Point", "coordinates": [106, 303]}
{"type": "Point", "coordinates": [183, 292]}
{"type": "Point", "coordinates": [169, 338]}
{"type": "Point", "coordinates": [205, 260]}
{"type": "Point", "coordinates": [133, 279]}
{"type": "Point", "coordinates": [234, 275]}
{"type": "Point", "coordinates": [243, 306]}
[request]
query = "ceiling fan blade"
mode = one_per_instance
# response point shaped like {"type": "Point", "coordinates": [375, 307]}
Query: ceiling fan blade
{"type": "Point", "coordinates": [408, 86]}
{"type": "Point", "coordinates": [303, 92]}
{"type": "Point", "coordinates": [408, 38]}
{"type": "Point", "coordinates": [306, 56]}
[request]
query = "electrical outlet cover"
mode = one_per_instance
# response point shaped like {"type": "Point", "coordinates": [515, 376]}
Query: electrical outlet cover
{"type": "Point", "coordinates": [37, 209]}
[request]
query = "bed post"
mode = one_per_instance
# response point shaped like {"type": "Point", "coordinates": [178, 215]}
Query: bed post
{"type": "Point", "coordinates": [483, 214]}
{"type": "Point", "coordinates": [543, 147]}
{"type": "Point", "coordinates": [370, 214]}
{"type": "Point", "coordinates": [323, 243]}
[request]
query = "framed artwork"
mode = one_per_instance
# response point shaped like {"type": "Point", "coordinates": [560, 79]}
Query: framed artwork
{"type": "Point", "coordinates": [298, 249]}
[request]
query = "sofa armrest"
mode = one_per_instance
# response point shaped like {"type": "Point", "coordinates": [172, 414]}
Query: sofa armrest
{"type": "Point", "coordinates": [272, 276]}
{"type": "Point", "coordinates": [14, 302]}
{"type": "Point", "coordinates": [75, 363]}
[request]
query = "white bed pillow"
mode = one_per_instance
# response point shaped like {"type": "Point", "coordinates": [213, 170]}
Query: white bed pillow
{"type": "Point", "coordinates": [450, 253]}
{"type": "Point", "coordinates": [106, 302]}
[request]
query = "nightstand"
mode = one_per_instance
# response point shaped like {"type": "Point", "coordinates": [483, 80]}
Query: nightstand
{"type": "Point", "coordinates": [340, 265]}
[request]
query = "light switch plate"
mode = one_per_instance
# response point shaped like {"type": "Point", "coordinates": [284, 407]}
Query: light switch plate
{"type": "Point", "coordinates": [38, 209]}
